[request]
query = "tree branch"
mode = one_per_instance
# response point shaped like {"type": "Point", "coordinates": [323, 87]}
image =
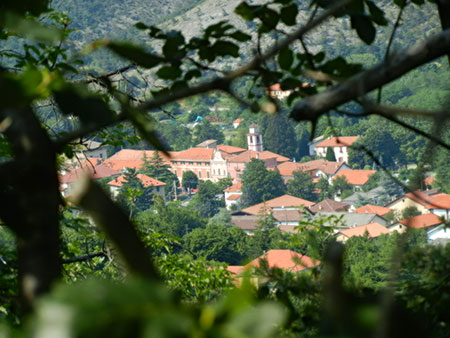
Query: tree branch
{"type": "Point", "coordinates": [314, 106]}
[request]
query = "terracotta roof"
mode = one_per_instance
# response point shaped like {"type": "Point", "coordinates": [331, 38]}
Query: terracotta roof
{"type": "Point", "coordinates": [146, 181]}
{"type": "Point", "coordinates": [282, 201]}
{"type": "Point", "coordinates": [275, 86]}
{"type": "Point", "coordinates": [235, 187]}
{"type": "Point", "coordinates": [195, 154]}
{"type": "Point", "coordinates": [246, 222]}
{"type": "Point", "coordinates": [355, 177]}
{"type": "Point", "coordinates": [238, 120]}
{"type": "Point", "coordinates": [235, 269]}
{"type": "Point", "coordinates": [253, 125]}
{"type": "Point", "coordinates": [373, 229]}
{"type": "Point", "coordinates": [287, 168]}
{"type": "Point", "coordinates": [135, 155]}
{"type": "Point", "coordinates": [373, 209]}
{"type": "Point", "coordinates": [206, 143]}
{"type": "Point", "coordinates": [337, 141]}
{"type": "Point", "coordinates": [436, 201]}
{"type": "Point", "coordinates": [327, 167]}
{"type": "Point", "coordinates": [213, 119]}
{"type": "Point", "coordinates": [285, 259]}
{"type": "Point", "coordinates": [421, 221]}
{"type": "Point", "coordinates": [287, 215]}
{"type": "Point", "coordinates": [121, 165]}
{"type": "Point", "coordinates": [429, 180]}
{"type": "Point", "coordinates": [329, 205]}
{"type": "Point", "coordinates": [234, 197]}
{"type": "Point", "coordinates": [247, 156]}
{"type": "Point", "coordinates": [288, 228]}
{"type": "Point", "coordinates": [230, 149]}
{"type": "Point", "coordinates": [97, 172]}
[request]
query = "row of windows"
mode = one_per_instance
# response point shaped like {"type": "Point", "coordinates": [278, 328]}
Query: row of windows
{"type": "Point", "coordinates": [189, 163]}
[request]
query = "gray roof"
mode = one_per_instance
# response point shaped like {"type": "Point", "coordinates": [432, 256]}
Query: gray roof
{"type": "Point", "coordinates": [347, 219]}
{"type": "Point", "coordinates": [371, 194]}
{"type": "Point", "coordinates": [246, 222]}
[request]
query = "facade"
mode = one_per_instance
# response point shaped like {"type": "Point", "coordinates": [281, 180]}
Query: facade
{"type": "Point", "coordinates": [340, 146]}
{"type": "Point", "coordinates": [233, 194]}
{"type": "Point", "coordinates": [438, 204]}
{"type": "Point", "coordinates": [428, 221]}
{"type": "Point", "coordinates": [197, 160]}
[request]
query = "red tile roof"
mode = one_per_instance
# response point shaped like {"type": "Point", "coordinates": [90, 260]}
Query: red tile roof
{"type": "Point", "coordinates": [247, 156]}
{"type": "Point", "coordinates": [135, 155]}
{"type": "Point", "coordinates": [373, 209]}
{"type": "Point", "coordinates": [337, 141]}
{"type": "Point", "coordinates": [97, 172]}
{"type": "Point", "coordinates": [278, 202]}
{"type": "Point", "coordinates": [429, 180]}
{"type": "Point", "coordinates": [146, 181]}
{"type": "Point", "coordinates": [120, 165]}
{"type": "Point", "coordinates": [422, 221]}
{"type": "Point", "coordinates": [329, 205]}
{"type": "Point", "coordinates": [285, 259]}
{"type": "Point", "coordinates": [238, 120]}
{"type": "Point", "coordinates": [288, 168]}
{"type": "Point", "coordinates": [234, 197]}
{"type": "Point", "coordinates": [235, 269]}
{"type": "Point", "coordinates": [437, 201]}
{"type": "Point", "coordinates": [230, 149]}
{"type": "Point", "coordinates": [287, 215]}
{"type": "Point", "coordinates": [373, 229]}
{"type": "Point", "coordinates": [327, 167]}
{"type": "Point", "coordinates": [194, 154]}
{"type": "Point", "coordinates": [235, 187]}
{"type": "Point", "coordinates": [355, 177]}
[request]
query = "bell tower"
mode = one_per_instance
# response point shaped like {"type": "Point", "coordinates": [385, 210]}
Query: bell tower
{"type": "Point", "coordinates": [254, 138]}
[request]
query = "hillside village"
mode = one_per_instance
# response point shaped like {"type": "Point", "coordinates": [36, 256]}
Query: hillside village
{"type": "Point", "coordinates": [355, 207]}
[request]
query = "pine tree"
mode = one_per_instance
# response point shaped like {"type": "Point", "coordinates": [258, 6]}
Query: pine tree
{"type": "Point", "coordinates": [330, 155]}
{"type": "Point", "coordinates": [301, 186]}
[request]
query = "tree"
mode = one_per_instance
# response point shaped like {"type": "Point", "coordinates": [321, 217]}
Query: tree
{"type": "Point", "coordinates": [260, 184]}
{"type": "Point", "coordinates": [410, 212]}
{"type": "Point", "coordinates": [278, 134]}
{"type": "Point", "coordinates": [340, 187]}
{"type": "Point", "coordinates": [302, 186]}
{"type": "Point", "coordinates": [206, 131]}
{"type": "Point", "coordinates": [325, 189]}
{"type": "Point", "coordinates": [189, 180]}
{"type": "Point", "coordinates": [156, 168]}
{"type": "Point", "coordinates": [330, 155]}
{"type": "Point", "coordinates": [206, 201]}
{"type": "Point", "coordinates": [132, 194]}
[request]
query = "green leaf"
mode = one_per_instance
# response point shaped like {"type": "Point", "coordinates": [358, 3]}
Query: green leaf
{"type": "Point", "coordinates": [135, 54]}
{"type": "Point", "coordinates": [400, 3]}
{"type": "Point", "coordinates": [173, 47]}
{"type": "Point", "coordinates": [240, 36]}
{"type": "Point", "coordinates": [169, 72]}
{"type": "Point", "coordinates": [30, 28]}
{"type": "Point", "coordinates": [376, 14]}
{"type": "Point", "coordinates": [364, 27]}
{"type": "Point", "coordinates": [245, 11]}
{"type": "Point", "coordinates": [288, 15]}
{"type": "Point", "coordinates": [224, 48]}
{"type": "Point", "coordinates": [66, 67]}
{"type": "Point", "coordinates": [195, 73]}
{"type": "Point", "coordinates": [285, 58]}
{"type": "Point", "coordinates": [141, 26]}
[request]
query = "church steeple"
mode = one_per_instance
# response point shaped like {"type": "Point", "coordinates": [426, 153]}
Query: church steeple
{"type": "Point", "coordinates": [254, 138]}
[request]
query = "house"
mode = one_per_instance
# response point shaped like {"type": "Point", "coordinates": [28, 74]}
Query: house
{"type": "Point", "coordinates": [312, 145]}
{"type": "Point", "coordinates": [132, 158]}
{"type": "Point", "coordinates": [354, 177]}
{"type": "Point", "coordinates": [286, 202]}
{"type": "Point", "coordinates": [340, 146]}
{"type": "Point", "coordinates": [233, 194]}
{"type": "Point", "coordinates": [329, 205]}
{"type": "Point", "coordinates": [424, 201]}
{"type": "Point", "coordinates": [374, 195]}
{"type": "Point", "coordinates": [229, 150]}
{"type": "Point", "coordinates": [96, 172]}
{"type": "Point", "coordinates": [248, 223]}
{"type": "Point", "coordinates": [197, 160]}
{"type": "Point", "coordinates": [254, 138]}
{"type": "Point", "coordinates": [284, 259]}
{"type": "Point", "coordinates": [275, 92]}
{"type": "Point", "coordinates": [433, 225]}
{"type": "Point", "coordinates": [157, 186]}
{"type": "Point", "coordinates": [91, 149]}
{"type": "Point", "coordinates": [373, 209]}
{"type": "Point", "coordinates": [372, 230]}
{"type": "Point", "coordinates": [347, 219]}
{"type": "Point", "coordinates": [237, 122]}
{"type": "Point", "coordinates": [316, 169]}
{"type": "Point", "coordinates": [207, 144]}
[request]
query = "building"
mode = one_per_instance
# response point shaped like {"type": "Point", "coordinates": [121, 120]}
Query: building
{"type": "Point", "coordinates": [373, 209]}
{"type": "Point", "coordinates": [197, 160]}
{"type": "Point", "coordinates": [356, 178]}
{"type": "Point", "coordinates": [132, 158]}
{"type": "Point", "coordinates": [371, 230]}
{"type": "Point", "coordinates": [233, 194]}
{"type": "Point", "coordinates": [424, 201]}
{"type": "Point", "coordinates": [329, 205]}
{"type": "Point", "coordinates": [254, 139]}
{"type": "Point", "coordinates": [316, 169]}
{"type": "Point", "coordinates": [285, 202]}
{"type": "Point", "coordinates": [156, 185]}
{"type": "Point", "coordinates": [340, 146]}
{"type": "Point", "coordinates": [237, 122]}
{"type": "Point", "coordinates": [347, 219]}
{"type": "Point", "coordinates": [275, 92]}
{"type": "Point", "coordinates": [433, 225]}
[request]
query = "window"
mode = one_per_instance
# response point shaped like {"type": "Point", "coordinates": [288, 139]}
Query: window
{"type": "Point", "coordinates": [191, 163]}
{"type": "Point", "coordinates": [199, 174]}
{"type": "Point", "coordinates": [207, 174]}
{"type": "Point", "coordinates": [157, 189]}
{"type": "Point", "coordinates": [219, 172]}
